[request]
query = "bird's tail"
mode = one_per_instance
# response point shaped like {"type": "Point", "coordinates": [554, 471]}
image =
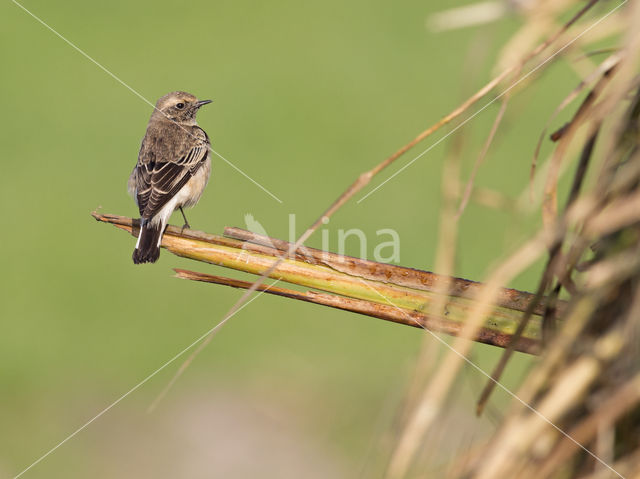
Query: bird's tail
{"type": "Point", "coordinates": [148, 245]}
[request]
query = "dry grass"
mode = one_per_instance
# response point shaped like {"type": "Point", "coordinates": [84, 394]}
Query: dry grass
{"type": "Point", "coordinates": [577, 413]}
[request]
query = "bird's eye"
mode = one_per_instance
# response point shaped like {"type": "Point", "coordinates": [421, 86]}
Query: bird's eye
{"type": "Point", "coordinates": [180, 106]}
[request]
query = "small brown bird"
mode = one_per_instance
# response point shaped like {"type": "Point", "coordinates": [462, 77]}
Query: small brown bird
{"type": "Point", "coordinates": [172, 171]}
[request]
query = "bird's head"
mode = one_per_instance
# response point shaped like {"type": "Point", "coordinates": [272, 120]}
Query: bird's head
{"type": "Point", "coordinates": [179, 106]}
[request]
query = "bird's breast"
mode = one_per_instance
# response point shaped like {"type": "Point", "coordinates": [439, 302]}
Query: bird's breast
{"type": "Point", "coordinates": [193, 189]}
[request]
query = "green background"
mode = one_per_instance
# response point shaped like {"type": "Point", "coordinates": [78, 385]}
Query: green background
{"type": "Point", "coordinates": [306, 97]}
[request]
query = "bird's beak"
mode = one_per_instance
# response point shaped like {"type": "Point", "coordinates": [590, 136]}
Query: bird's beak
{"type": "Point", "coordinates": [203, 102]}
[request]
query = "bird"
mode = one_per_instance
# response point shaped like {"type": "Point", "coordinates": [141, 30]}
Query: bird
{"type": "Point", "coordinates": [172, 171]}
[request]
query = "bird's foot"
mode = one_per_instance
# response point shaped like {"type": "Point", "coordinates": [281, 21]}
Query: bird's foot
{"type": "Point", "coordinates": [186, 223]}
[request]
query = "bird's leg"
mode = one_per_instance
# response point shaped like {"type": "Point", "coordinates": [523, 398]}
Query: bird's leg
{"type": "Point", "coordinates": [186, 223]}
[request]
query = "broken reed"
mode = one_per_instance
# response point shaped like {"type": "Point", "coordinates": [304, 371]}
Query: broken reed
{"type": "Point", "coordinates": [393, 293]}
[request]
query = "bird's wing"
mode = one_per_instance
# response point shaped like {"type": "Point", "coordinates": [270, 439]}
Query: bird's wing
{"type": "Point", "coordinates": [160, 180]}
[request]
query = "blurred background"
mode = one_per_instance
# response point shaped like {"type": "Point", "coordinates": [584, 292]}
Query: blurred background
{"type": "Point", "coordinates": [306, 97]}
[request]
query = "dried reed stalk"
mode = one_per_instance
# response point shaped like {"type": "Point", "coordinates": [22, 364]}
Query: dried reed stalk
{"type": "Point", "coordinates": [389, 292]}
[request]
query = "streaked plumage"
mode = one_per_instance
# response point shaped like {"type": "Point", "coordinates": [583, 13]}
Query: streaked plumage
{"type": "Point", "coordinates": [172, 171]}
